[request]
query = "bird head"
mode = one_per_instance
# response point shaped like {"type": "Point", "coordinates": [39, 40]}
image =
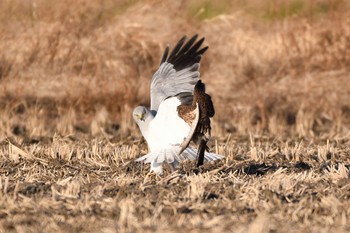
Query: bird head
{"type": "Point", "coordinates": [140, 114]}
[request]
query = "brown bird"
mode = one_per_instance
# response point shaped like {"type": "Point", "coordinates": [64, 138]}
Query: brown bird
{"type": "Point", "coordinates": [198, 115]}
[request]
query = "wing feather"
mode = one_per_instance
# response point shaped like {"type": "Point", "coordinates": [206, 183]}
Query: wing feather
{"type": "Point", "coordinates": [189, 44]}
{"type": "Point", "coordinates": [177, 48]}
{"type": "Point", "coordinates": [178, 72]}
{"type": "Point", "coordinates": [165, 55]}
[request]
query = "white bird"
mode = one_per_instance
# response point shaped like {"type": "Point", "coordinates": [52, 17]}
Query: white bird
{"type": "Point", "coordinates": [180, 109]}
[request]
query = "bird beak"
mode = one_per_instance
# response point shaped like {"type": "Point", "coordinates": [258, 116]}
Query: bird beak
{"type": "Point", "coordinates": [139, 116]}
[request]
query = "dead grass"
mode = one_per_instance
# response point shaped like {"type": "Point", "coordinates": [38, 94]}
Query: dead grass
{"type": "Point", "coordinates": [71, 73]}
{"type": "Point", "coordinates": [262, 186]}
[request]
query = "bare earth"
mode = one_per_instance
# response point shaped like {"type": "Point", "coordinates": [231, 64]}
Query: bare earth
{"type": "Point", "coordinates": [71, 73]}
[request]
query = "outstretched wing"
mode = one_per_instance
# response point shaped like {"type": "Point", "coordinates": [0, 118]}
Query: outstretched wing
{"type": "Point", "coordinates": [178, 72]}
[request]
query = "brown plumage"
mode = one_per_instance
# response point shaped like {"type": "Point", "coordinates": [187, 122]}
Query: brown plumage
{"type": "Point", "coordinates": [206, 109]}
{"type": "Point", "coordinates": [187, 113]}
{"type": "Point", "coordinates": [202, 131]}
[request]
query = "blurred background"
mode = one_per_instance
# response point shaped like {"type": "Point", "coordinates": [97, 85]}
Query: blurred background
{"type": "Point", "coordinates": [274, 67]}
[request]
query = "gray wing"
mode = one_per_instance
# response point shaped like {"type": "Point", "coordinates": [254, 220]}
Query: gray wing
{"type": "Point", "coordinates": [178, 72]}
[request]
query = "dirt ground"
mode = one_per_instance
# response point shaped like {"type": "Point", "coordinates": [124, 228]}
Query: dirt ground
{"type": "Point", "coordinates": [72, 72]}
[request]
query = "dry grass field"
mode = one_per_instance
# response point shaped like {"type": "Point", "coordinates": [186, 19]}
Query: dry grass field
{"type": "Point", "coordinates": [71, 73]}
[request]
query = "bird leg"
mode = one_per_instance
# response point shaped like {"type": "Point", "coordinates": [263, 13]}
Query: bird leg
{"type": "Point", "coordinates": [201, 150]}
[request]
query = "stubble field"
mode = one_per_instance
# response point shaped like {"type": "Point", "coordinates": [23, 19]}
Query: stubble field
{"type": "Point", "coordinates": [71, 73]}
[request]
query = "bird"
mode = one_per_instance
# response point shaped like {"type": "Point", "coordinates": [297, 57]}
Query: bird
{"type": "Point", "coordinates": [180, 109]}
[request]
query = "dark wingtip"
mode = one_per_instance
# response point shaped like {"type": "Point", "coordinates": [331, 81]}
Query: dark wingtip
{"type": "Point", "coordinates": [203, 50]}
{"type": "Point", "coordinates": [185, 54]}
{"type": "Point", "coordinates": [165, 54]}
{"type": "Point", "coordinates": [177, 47]}
{"type": "Point", "coordinates": [183, 38]}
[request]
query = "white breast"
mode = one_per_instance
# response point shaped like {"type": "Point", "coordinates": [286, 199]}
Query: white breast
{"type": "Point", "coordinates": [167, 128]}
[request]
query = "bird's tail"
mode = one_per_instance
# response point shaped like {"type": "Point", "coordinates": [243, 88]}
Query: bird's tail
{"type": "Point", "coordinates": [191, 154]}
{"type": "Point", "coordinates": [170, 155]}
